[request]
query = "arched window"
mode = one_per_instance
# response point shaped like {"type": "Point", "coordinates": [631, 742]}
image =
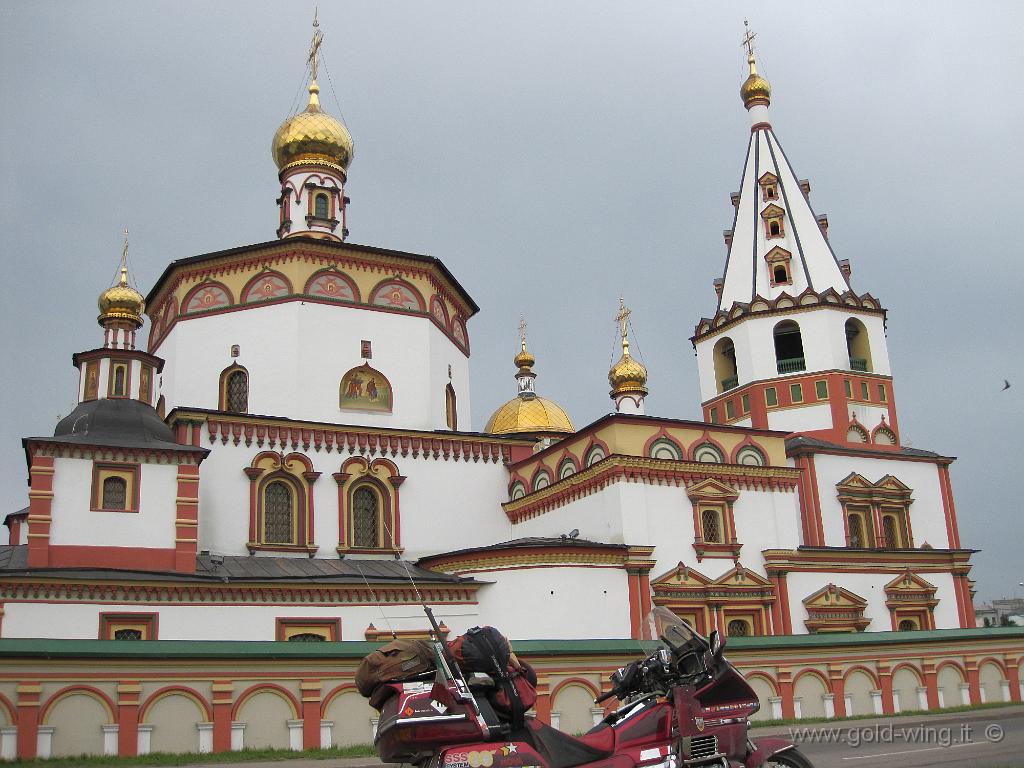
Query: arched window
{"type": "Point", "coordinates": [781, 274]}
{"type": "Point", "coordinates": [855, 524]}
{"type": "Point", "coordinates": [278, 513]}
{"type": "Point", "coordinates": [321, 206]}
{"type": "Point", "coordinates": [907, 625]}
{"type": "Point", "coordinates": [726, 376]}
{"type": "Point", "coordinates": [738, 628]}
{"type": "Point", "coordinates": [115, 493]}
{"type": "Point", "coordinates": [127, 634]}
{"type": "Point", "coordinates": [774, 228]}
{"type": "Point", "coordinates": [307, 637]}
{"type": "Point", "coordinates": [365, 518]}
{"type": "Point", "coordinates": [789, 347]}
{"type": "Point", "coordinates": [568, 468]}
{"type": "Point", "coordinates": [708, 454]}
{"type": "Point", "coordinates": [234, 390]}
{"type": "Point", "coordinates": [891, 528]}
{"type": "Point", "coordinates": [662, 448]}
{"type": "Point", "coordinates": [857, 345]}
{"type": "Point", "coordinates": [594, 455]}
{"type": "Point", "coordinates": [119, 386]}
{"type": "Point", "coordinates": [750, 456]}
{"type": "Point", "coordinates": [711, 526]}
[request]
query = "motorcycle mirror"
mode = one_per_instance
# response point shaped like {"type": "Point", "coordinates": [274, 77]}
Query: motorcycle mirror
{"type": "Point", "coordinates": [717, 643]}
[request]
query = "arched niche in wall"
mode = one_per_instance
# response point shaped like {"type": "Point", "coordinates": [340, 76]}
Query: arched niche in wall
{"type": "Point", "coordinates": [365, 389]}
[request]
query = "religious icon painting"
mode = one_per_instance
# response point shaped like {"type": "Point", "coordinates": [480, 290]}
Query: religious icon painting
{"type": "Point", "coordinates": [396, 295]}
{"type": "Point", "coordinates": [365, 389]}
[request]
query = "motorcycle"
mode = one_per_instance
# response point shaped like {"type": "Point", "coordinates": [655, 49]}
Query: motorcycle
{"type": "Point", "coordinates": [682, 705]}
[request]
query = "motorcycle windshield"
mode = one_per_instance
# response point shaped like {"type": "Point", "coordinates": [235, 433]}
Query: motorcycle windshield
{"type": "Point", "coordinates": [665, 626]}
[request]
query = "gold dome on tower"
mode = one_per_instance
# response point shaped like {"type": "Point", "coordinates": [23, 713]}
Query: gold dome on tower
{"type": "Point", "coordinates": [628, 376]}
{"type": "Point", "coordinates": [755, 89]}
{"type": "Point", "coordinates": [313, 137]}
{"type": "Point", "coordinates": [527, 413]}
{"type": "Point", "coordinates": [121, 301]}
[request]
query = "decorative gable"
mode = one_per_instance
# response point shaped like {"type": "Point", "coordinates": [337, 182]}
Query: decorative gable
{"type": "Point", "coordinates": [911, 602]}
{"type": "Point", "coordinates": [835, 609]}
{"type": "Point", "coordinates": [738, 602]}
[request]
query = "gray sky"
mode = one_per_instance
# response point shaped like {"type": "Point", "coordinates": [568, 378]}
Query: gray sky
{"type": "Point", "coordinates": [553, 155]}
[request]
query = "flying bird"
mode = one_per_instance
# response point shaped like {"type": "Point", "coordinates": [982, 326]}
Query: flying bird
{"type": "Point", "coordinates": [1006, 385]}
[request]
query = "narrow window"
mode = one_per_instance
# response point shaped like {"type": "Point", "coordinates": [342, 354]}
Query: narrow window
{"type": "Point", "coordinates": [821, 389]}
{"type": "Point", "coordinates": [115, 493]}
{"type": "Point", "coordinates": [882, 395]}
{"type": "Point", "coordinates": [277, 513]}
{"type": "Point", "coordinates": [714, 415]}
{"type": "Point", "coordinates": [781, 276]}
{"type": "Point", "coordinates": [320, 206]}
{"type": "Point", "coordinates": [771, 397]}
{"type": "Point", "coordinates": [849, 389]}
{"type": "Point", "coordinates": [711, 526]}
{"type": "Point", "coordinates": [237, 392]}
{"type": "Point", "coordinates": [892, 532]}
{"type": "Point", "coordinates": [730, 410]}
{"type": "Point", "coordinates": [365, 520]}
{"type": "Point", "coordinates": [769, 192]}
{"type": "Point", "coordinates": [789, 347]}
{"type": "Point", "coordinates": [451, 411]}
{"type": "Point", "coordinates": [119, 383]}
{"type": "Point", "coordinates": [773, 228]}
{"type": "Point", "coordinates": [865, 393]}
{"type": "Point", "coordinates": [796, 393]}
{"type": "Point", "coordinates": [856, 526]}
{"type": "Point", "coordinates": [745, 402]}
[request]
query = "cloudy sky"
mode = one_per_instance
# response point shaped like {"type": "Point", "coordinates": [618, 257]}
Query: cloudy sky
{"type": "Point", "coordinates": [554, 155]}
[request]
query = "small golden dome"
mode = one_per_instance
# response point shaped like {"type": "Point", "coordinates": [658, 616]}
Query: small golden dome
{"type": "Point", "coordinates": [121, 302]}
{"type": "Point", "coordinates": [312, 136]}
{"type": "Point", "coordinates": [628, 376]}
{"type": "Point", "coordinates": [529, 416]}
{"type": "Point", "coordinates": [755, 89]}
{"type": "Point", "coordinates": [524, 360]}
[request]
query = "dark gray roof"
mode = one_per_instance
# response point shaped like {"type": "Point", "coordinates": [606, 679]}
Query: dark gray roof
{"type": "Point", "coordinates": [16, 513]}
{"type": "Point", "coordinates": [529, 541]}
{"type": "Point", "coordinates": [241, 569]}
{"type": "Point", "coordinates": [121, 422]}
{"type": "Point", "coordinates": [802, 441]}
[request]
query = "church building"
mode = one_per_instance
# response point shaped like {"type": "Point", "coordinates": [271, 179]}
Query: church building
{"type": "Point", "coordinates": [288, 457]}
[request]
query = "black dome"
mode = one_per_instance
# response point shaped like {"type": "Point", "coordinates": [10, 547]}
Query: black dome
{"type": "Point", "coordinates": [122, 422]}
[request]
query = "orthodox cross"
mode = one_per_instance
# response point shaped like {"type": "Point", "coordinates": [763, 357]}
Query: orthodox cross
{"type": "Point", "coordinates": [522, 330]}
{"type": "Point", "coordinates": [314, 46]}
{"type": "Point", "coordinates": [623, 320]}
{"type": "Point", "coordinates": [748, 38]}
{"type": "Point", "coordinates": [124, 260]}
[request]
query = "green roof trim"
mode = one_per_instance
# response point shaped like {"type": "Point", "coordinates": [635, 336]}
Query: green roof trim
{"type": "Point", "coordinates": [356, 649]}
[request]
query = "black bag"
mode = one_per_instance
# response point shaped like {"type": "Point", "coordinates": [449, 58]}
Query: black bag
{"type": "Point", "coordinates": [486, 650]}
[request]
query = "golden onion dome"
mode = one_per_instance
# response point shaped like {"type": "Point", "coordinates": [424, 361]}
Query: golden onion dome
{"type": "Point", "coordinates": [524, 360]}
{"type": "Point", "coordinates": [533, 415]}
{"type": "Point", "coordinates": [312, 136]}
{"type": "Point", "coordinates": [121, 302]}
{"type": "Point", "coordinates": [627, 376]}
{"type": "Point", "coordinates": [755, 89]}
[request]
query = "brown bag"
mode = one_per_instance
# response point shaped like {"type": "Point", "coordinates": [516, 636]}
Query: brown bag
{"type": "Point", "coordinates": [398, 660]}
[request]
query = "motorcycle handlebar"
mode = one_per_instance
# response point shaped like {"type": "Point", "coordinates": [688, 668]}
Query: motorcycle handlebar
{"type": "Point", "coordinates": [604, 697]}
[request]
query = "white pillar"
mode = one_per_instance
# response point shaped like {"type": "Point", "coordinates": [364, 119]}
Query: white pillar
{"type": "Point", "coordinates": [798, 708]}
{"type": "Point", "coordinates": [8, 742]}
{"type": "Point", "coordinates": [830, 705]}
{"type": "Point", "coordinates": [984, 694]}
{"type": "Point", "coordinates": [965, 693]}
{"type": "Point", "coordinates": [897, 705]}
{"type": "Point", "coordinates": [326, 733]}
{"type": "Point", "coordinates": [848, 700]}
{"type": "Point", "coordinates": [942, 699]}
{"type": "Point", "coordinates": [109, 739]}
{"type": "Point", "coordinates": [556, 719]}
{"type": "Point", "coordinates": [922, 698]}
{"type": "Point", "coordinates": [776, 705]}
{"type": "Point", "coordinates": [145, 739]}
{"type": "Point", "coordinates": [44, 741]}
{"type": "Point", "coordinates": [876, 702]}
{"type": "Point", "coordinates": [596, 715]}
{"type": "Point", "coordinates": [295, 735]}
{"type": "Point", "coordinates": [374, 721]}
{"type": "Point", "coordinates": [237, 737]}
{"type": "Point", "coordinates": [205, 737]}
{"type": "Point", "coordinates": [1004, 688]}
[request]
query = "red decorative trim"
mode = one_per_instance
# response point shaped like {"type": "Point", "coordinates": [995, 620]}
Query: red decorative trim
{"type": "Point", "coordinates": [336, 273]}
{"type": "Point", "coordinates": [356, 472]}
{"type": "Point", "coordinates": [301, 481]}
{"type": "Point", "coordinates": [662, 435]}
{"type": "Point", "coordinates": [211, 306]}
{"type": "Point", "coordinates": [88, 690]}
{"type": "Point", "coordinates": [40, 503]}
{"type": "Point", "coordinates": [378, 290]}
{"type": "Point", "coordinates": [108, 622]}
{"type": "Point", "coordinates": [260, 277]}
{"type": "Point", "coordinates": [948, 507]}
{"type": "Point", "coordinates": [186, 522]}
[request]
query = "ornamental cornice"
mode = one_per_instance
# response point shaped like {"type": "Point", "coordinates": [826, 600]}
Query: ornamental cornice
{"type": "Point", "coordinates": [528, 558]}
{"type": "Point", "coordinates": [172, 456]}
{"type": "Point", "coordinates": [282, 435]}
{"type": "Point", "coordinates": [638, 469]}
{"type": "Point", "coordinates": [834, 559]}
{"type": "Point", "coordinates": [19, 588]}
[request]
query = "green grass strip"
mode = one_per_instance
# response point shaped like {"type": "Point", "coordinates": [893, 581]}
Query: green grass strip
{"type": "Point", "coordinates": [167, 758]}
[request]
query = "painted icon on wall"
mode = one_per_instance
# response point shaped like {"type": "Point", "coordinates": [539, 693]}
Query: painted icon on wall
{"type": "Point", "coordinates": [365, 389]}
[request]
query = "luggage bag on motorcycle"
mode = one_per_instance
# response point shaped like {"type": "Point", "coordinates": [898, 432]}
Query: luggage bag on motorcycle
{"type": "Point", "coordinates": [398, 660]}
{"type": "Point", "coordinates": [486, 650]}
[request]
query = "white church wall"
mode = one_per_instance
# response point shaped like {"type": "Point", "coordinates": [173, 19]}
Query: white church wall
{"type": "Point", "coordinates": [296, 354]}
{"type": "Point", "coordinates": [597, 516]}
{"type": "Point", "coordinates": [443, 504]}
{"type": "Point", "coordinates": [556, 603]}
{"type": "Point", "coordinates": [927, 517]}
{"type": "Point", "coordinates": [228, 622]}
{"type": "Point", "coordinates": [797, 419]}
{"type": "Point", "coordinates": [74, 523]}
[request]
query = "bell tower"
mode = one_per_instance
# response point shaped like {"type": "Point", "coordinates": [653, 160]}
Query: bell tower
{"type": "Point", "coordinates": [792, 346]}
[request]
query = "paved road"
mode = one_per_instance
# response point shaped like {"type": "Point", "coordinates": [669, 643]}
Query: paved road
{"type": "Point", "coordinates": [980, 739]}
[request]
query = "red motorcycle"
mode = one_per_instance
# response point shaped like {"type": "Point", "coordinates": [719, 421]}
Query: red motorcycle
{"type": "Point", "coordinates": [683, 705]}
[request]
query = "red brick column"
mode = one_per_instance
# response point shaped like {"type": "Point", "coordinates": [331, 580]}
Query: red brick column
{"type": "Point", "coordinates": [973, 680]}
{"type": "Point", "coordinates": [931, 684]}
{"type": "Point", "coordinates": [40, 504]}
{"type": "Point", "coordinates": [28, 718]}
{"type": "Point", "coordinates": [1013, 675]}
{"type": "Point", "coordinates": [543, 704]}
{"type": "Point", "coordinates": [838, 689]}
{"type": "Point", "coordinates": [186, 523]}
{"type": "Point", "coordinates": [885, 682]}
{"type": "Point", "coordinates": [786, 692]}
{"type": "Point", "coordinates": [222, 701]}
{"type": "Point", "coordinates": [311, 697]}
{"type": "Point", "coordinates": [128, 718]}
